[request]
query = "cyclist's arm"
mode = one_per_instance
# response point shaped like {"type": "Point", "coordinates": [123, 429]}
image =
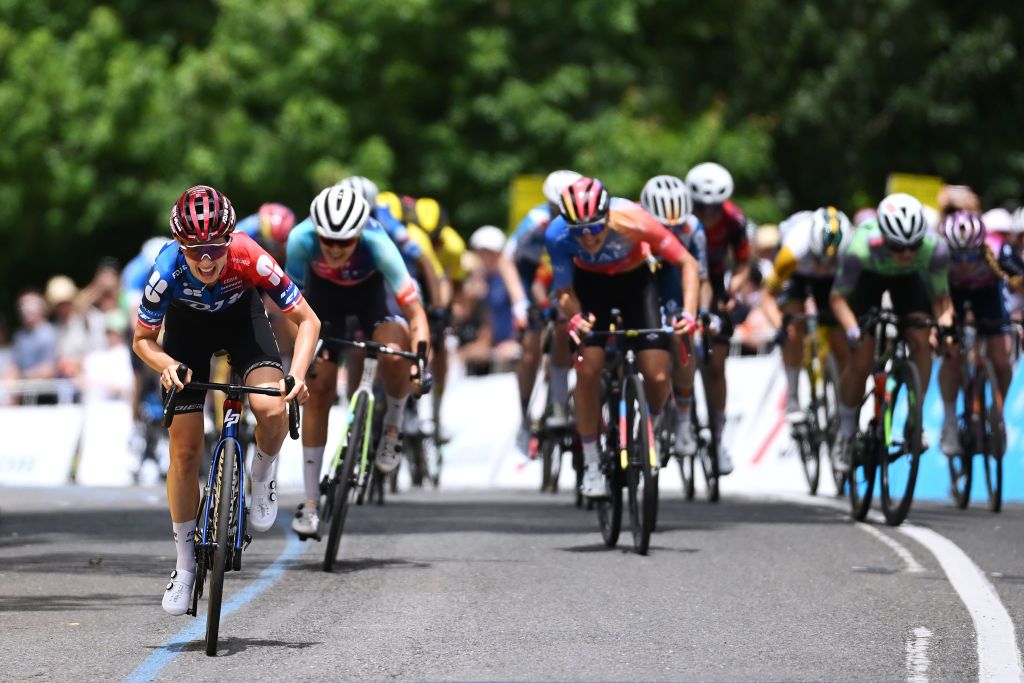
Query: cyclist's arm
{"type": "Point", "coordinates": [784, 266]}
{"type": "Point", "coordinates": [690, 282]}
{"type": "Point", "coordinates": [419, 329]}
{"type": "Point", "coordinates": [938, 270]}
{"type": "Point", "coordinates": [435, 294]}
{"type": "Point", "coordinates": [942, 309]}
{"type": "Point", "coordinates": [841, 308]}
{"type": "Point", "coordinates": [568, 302]}
{"type": "Point", "coordinates": [516, 294]}
{"type": "Point", "coordinates": [850, 268]}
{"type": "Point", "coordinates": [302, 316]}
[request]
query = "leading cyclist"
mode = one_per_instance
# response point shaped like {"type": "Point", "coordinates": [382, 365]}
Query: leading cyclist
{"type": "Point", "coordinates": [599, 248]}
{"type": "Point", "coordinates": [202, 291]}
{"type": "Point", "coordinates": [894, 253]}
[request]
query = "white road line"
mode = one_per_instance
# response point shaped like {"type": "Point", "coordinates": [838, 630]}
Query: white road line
{"type": "Point", "coordinates": [904, 553]}
{"type": "Point", "coordinates": [998, 657]}
{"type": "Point", "coordinates": [917, 655]}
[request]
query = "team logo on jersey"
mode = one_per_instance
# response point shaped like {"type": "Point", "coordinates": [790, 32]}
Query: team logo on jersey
{"type": "Point", "coordinates": [269, 269]}
{"type": "Point", "coordinates": [155, 288]}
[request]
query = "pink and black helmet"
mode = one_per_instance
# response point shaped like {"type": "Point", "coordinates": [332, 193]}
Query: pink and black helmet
{"type": "Point", "coordinates": [202, 214]}
{"type": "Point", "coordinates": [585, 201]}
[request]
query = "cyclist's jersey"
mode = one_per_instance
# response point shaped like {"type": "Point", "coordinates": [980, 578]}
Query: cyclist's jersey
{"type": "Point", "coordinates": [250, 225]}
{"type": "Point", "coordinates": [692, 236]}
{"type": "Point", "coordinates": [248, 266]}
{"type": "Point", "coordinates": [374, 253]}
{"type": "Point", "coordinates": [633, 235]}
{"type": "Point", "coordinates": [867, 254]}
{"type": "Point", "coordinates": [527, 241]}
{"type": "Point", "coordinates": [795, 256]}
{"type": "Point", "coordinates": [730, 231]}
{"type": "Point", "coordinates": [399, 234]}
{"type": "Point", "coordinates": [971, 269]}
{"type": "Point", "coordinates": [135, 275]}
{"type": "Point", "coordinates": [447, 250]}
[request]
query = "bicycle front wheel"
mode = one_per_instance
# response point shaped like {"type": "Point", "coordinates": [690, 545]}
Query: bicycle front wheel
{"type": "Point", "coordinates": [224, 495]}
{"type": "Point", "coordinates": [343, 482]}
{"type": "Point", "coordinates": [642, 472]}
{"type": "Point", "coordinates": [806, 436]}
{"type": "Point", "coordinates": [994, 437]}
{"type": "Point", "coordinates": [901, 451]}
{"type": "Point", "coordinates": [862, 475]}
{"type": "Point", "coordinates": [830, 425]}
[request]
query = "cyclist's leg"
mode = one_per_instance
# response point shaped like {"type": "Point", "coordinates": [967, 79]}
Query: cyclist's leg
{"type": "Point", "coordinates": [866, 295]}
{"type": "Point", "coordinates": [716, 364]}
{"type": "Point", "coordinates": [949, 383]}
{"type": "Point", "coordinates": [911, 298]}
{"type": "Point", "coordinates": [791, 300]}
{"type": "Point", "coordinates": [990, 305]}
{"type": "Point", "coordinates": [526, 372]}
{"type": "Point", "coordinates": [380, 315]}
{"type": "Point", "coordinates": [642, 310]}
{"type": "Point", "coordinates": [323, 389]}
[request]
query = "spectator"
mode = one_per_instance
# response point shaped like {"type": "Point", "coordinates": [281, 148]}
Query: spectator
{"type": "Point", "coordinates": [104, 290]}
{"type": "Point", "coordinates": [77, 333]}
{"type": "Point", "coordinates": [6, 360]}
{"type": "Point", "coordinates": [506, 302]}
{"type": "Point", "coordinates": [35, 346]}
{"type": "Point", "coordinates": [107, 372]}
{"type": "Point", "coordinates": [471, 322]}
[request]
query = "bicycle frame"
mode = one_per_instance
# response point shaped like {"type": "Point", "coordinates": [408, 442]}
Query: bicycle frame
{"type": "Point", "coordinates": [229, 432]}
{"type": "Point", "coordinates": [365, 388]}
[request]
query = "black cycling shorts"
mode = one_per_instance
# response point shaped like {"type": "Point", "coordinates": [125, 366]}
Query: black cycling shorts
{"type": "Point", "coordinates": [797, 288]}
{"type": "Point", "coordinates": [193, 337]}
{"type": "Point", "coordinates": [988, 307]}
{"type": "Point", "coordinates": [371, 302]}
{"type": "Point", "coordinates": [635, 294]}
{"type": "Point", "coordinates": [910, 294]}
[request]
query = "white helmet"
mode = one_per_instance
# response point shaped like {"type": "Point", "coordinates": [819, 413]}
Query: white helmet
{"type": "Point", "coordinates": [901, 219]}
{"type": "Point", "coordinates": [339, 213]}
{"type": "Point", "coordinates": [556, 182]}
{"type": "Point", "coordinates": [361, 185]}
{"type": "Point", "coordinates": [829, 229]}
{"type": "Point", "coordinates": [709, 183]}
{"type": "Point", "coordinates": [666, 198]}
{"type": "Point", "coordinates": [488, 238]}
{"type": "Point", "coordinates": [997, 220]}
{"type": "Point", "coordinates": [1017, 227]}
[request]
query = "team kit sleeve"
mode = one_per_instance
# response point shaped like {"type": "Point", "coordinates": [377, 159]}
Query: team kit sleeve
{"type": "Point", "coordinates": [782, 269]}
{"type": "Point", "coordinates": [560, 253]}
{"type": "Point", "coordinates": [388, 260]}
{"type": "Point", "coordinates": [851, 265]}
{"type": "Point", "coordinates": [938, 269]}
{"type": "Point", "coordinates": [158, 291]}
{"type": "Point", "coordinates": [302, 249]}
{"type": "Point", "coordinates": [267, 274]}
{"type": "Point", "coordinates": [699, 249]}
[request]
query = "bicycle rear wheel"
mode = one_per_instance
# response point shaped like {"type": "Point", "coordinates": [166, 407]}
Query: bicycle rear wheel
{"type": "Point", "coordinates": [830, 403]}
{"type": "Point", "coordinates": [994, 437]}
{"type": "Point", "coordinates": [806, 435]}
{"type": "Point", "coordinates": [901, 451]}
{"type": "Point", "coordinates": [709, 454]}
{"type": "Point", "coordinates": [642, 472]}
{"type": "Point", "coordinates": [609, 510]}
{"type": "Point", "coordinates": [224, 495]}
{"type": "Point", "coordinates": [343, 483]}
{"type": "Point", "coordinates": [862, 475]}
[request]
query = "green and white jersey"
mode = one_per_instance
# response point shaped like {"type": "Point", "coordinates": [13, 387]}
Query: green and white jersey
{"type": "Point", "coordinates": [867, 254]}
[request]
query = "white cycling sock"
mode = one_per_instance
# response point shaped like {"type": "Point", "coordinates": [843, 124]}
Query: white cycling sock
{"type": "Point", "coordinates": [396, 412]}
{"type": "Point", "coordinates": [559, 385]}
{"type": "Point", "coordinates": [263, 465]}
{"type": "Point", "coordinates": [793, 377]}
{"type": "Point", "coordinates": [848, 419]}
{"type": "Point", "coordinates": [949, 410]}
{"type": "Point", "coordinates": [683, 404]}
{"type": "Point", "coordinates": [312, 461]}
{"type": "Point", "coordinates": [184, 543]}
{"type": "Point", "coordinates": [591, 455]}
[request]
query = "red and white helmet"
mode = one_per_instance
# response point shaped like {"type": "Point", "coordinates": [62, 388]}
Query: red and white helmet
{"type": "Point", "coordinates": [585, 201]}
{"type": "Point", "coordinates": [276, 221]}
{"type": "Point", "coordinates": [964, 230]}
{"type": "Point", "coordinates": [202, 214]}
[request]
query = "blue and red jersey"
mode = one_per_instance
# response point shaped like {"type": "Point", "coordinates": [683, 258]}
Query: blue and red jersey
{"type": "Point", "coordinates": [248, 266]}
{"type": "Point", "coordinates": [729, 232]}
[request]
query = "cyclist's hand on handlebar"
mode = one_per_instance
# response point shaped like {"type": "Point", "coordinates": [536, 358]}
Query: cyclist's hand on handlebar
{"type": "Point", "coordinates": [853, 336]}
{"type": "Point", "coordinates": [169, 377]}
{"type": "Point", "coordinates": [299, 392]}
{"type": "Point", "coordinates": [685, 325]}
{"type": "Point", "coordinates": [580, 326]}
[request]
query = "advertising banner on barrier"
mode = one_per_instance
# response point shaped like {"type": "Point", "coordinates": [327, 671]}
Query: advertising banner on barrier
{"type": "Point", "coordinates": [39, 444]}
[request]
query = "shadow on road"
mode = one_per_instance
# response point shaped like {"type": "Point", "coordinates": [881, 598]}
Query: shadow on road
{"type": "Point", "coordinates": [350, 566]}
{"type": "Point", "coordinates": [57, 603]}
{"type": "Point", "coordinates": [227, 646]}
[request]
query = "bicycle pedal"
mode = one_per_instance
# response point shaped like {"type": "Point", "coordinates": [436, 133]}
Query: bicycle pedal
{"type": "Point", "coordinates": [246, 540]}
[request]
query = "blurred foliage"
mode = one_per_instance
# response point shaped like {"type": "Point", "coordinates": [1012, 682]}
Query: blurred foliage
{"type": "Point", "coordinates": [108, 112]}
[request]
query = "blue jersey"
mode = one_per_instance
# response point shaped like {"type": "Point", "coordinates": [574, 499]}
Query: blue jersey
{"type": "Point", "coordinates": [374, 253]}
{"type": "Point", "coordinates": [248, 266]}
{"type": "Point", "coordinates": [692, 236]}
{"type": "Point", "coordinates": [527, 241]}
{"type": "Point", "coordinates": [399, 234]}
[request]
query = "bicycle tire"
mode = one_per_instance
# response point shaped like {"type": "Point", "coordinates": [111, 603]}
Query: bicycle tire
{"type": "Point", "coordinates": [961, 478]}
{"type": "Point", "coordinates": [897, 489]}
{"type": "Point", "coordinates": [343, 482]}
{"type": "Point", "coordinates": [641, 476]}
{"type": "Point", "coordinates": [807, 437]}
{"type": "Point", "coordinates": [861, 480]}
{"type": "Point", "coordinates": [225, 497]}
{"type": "Point", "coordinates": [994, 436]}
{"type": "Point", "coordinates": [830, 394]}
{"type": "Point", "coordinates": [546, 448]}
{"type": "Point", "coordinates": [709, 463]}
{"type": "Point", "coordinates": [609, 510]}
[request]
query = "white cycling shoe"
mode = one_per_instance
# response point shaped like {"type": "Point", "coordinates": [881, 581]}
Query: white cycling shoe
{"type": "Point", "coordinates": [594, 484]}
{"type": "Point", "coordinates": [307, 522]}
{"type": "Point", "coordinates": [842, 454]}
{"type": "Point", "coordinates": [686, 442]}
{"type": "Point", "coordinates": [389, 453]}
{"type": "Point", "coordinates": [725, 465]}
{"type": "Point", "coordinates": [949, 442]}
{"type": "Point", "coordinates": [178, 593]}
{"type": "Point", "coordinates": [263, 505]}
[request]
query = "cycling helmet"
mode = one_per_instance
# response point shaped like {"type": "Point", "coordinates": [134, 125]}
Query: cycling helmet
{"type": "Point", "coordinates": [276, 221]}
{"type": "Point", "coordinates": [829, 227]}
{"type": "Point", "coordinates": [709, 183]}
{"type": "Point", "coordinates": [487, 238]}
{"type": "Point", "coordinates": [391, 202]}
{"type": "Point", "coordinates": [585, 201]}
{"type": "Point", "coordinates": [963, 230]}
{"type": "Point", "coordinates": [556, 182]}
{"type": "Point", "coordinates": [997, 220]}
{"type": "Point", "coordinates": [339, 213]}
{"type": "Point", "coordinates": [1017, 226]}
{"type": "Point", "coordinates": [666, 198]}
{"type": "Point", "coordinates": [202, 214]}
{"type": "Point", "coordinates": [429, 215]}
{"type": "Point", "coordinates": [863, 215]}
{"type": "Point", "coordinates": [361, 185]}
{"type": "Point", "coordinates": [901, 219]}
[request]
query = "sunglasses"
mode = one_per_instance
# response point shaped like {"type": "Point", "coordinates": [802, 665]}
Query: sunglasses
{"type": "Point", "coordinates": [579, 231]}
{"type": "Point", "coordinates": [197, 252]}
{"type": "Point", "coordinates": [338, 244]}
{"type": "Point", "coordinates": [904, 248]}
{"type": "Point", "coordinates": [703, 206]}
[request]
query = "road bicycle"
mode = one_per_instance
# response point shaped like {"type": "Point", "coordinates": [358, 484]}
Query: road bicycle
{"type": "Point", "coordinates": [819, 378]}
{"type": "Point", "coordinates": [352, 470]}
{"type": "Point", "coordinates": [980, 420]}
{"type": "Point", "coordinates": [891, 443]}
{"type": "Point", "coordinates": [220, 535]}
{"type": "Point", "coordinates": [629, 456]}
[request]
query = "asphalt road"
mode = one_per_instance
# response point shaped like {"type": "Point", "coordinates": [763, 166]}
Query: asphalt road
{"type": "Point", "coordinates": [504, 586]}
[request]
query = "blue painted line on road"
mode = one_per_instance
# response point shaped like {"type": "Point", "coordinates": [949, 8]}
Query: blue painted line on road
{"type": "Point", "coordinates": [175, 645]}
